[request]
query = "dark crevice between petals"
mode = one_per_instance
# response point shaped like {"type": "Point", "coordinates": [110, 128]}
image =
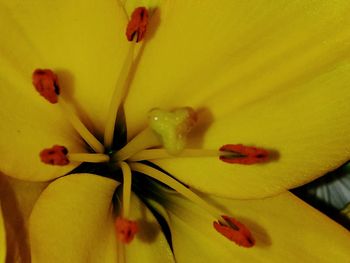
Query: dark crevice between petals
{"type": "Point", "coordinates": [141, 187]}
{"type": "Point", "coordinates": [99, 169]}
{"type": "Point", "coordinates": [120, 131]}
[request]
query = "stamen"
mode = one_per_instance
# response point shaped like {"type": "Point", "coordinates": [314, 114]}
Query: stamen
{"type": "Point", "coordinates": [173, 127]}
{"type": "Point", "coordinates": [88, 157]}
{"type": "Point", "coordinates": [46, 83]}
{"type": "Point", "coordinates": [126, 229]}
{"type": "Point", "coordinates": [152, 154]}
{"type": "Point", "coordinates": [137, 25]}
{"type": "Point", "coordinates": [177, 186]}
{"type": "Point", "coordinates": [235, 231]}
{"type": "Point", "coordinates": [121, 252]}
{"type": "Point", "coordinates": [88, 137]}
{"type": "Point", "coordinates": [57, 155]}
{"type": "Point", "coordinates": [247, 155]}
{"type": "Point", "coordinates": [145, 139]}
{"type": "Point", "coordinates": [126, 188]}
{"type": "Point", "coordinates": [229, 227]}
{"type": "Point", "coordinates": [118, 96]}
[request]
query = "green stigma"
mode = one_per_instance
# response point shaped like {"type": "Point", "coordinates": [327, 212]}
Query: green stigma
{"type": "Point", "coordinates": [173, 127]}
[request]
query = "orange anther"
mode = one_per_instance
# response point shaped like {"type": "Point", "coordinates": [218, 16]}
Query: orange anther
{"type": "Point", "coordinates": [46, 83]}
{"type": "Point", "coordinates": [57, 155]}
{"type": "Point", "coordinates": [126, 229]}
{"type": "Point", "coordinates": [235, 231]}
{"type": "Point", "coordinates": [244, 154]}
{"type": "Point", "coordinates": [137, 25]}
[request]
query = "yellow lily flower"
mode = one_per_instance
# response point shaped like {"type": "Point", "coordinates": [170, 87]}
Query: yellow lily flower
{"type": "Point", "coordinates": [274, 75]}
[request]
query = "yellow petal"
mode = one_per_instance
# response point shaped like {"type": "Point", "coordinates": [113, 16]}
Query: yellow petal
{"type": "Point", "coordinates": [72, 221]}
{"type": "Point", "coordinates": [346, 211]}
{"type": "Point", "coordinates": [149, 244]}
{"type": "Point", "coordinates": [15, 219]}
{"type": "Point", "coordinates": [2, 238]}
{"type": "Point", "coordinates": [26, 193]}
{"type": "Point", "coordinates": [284, 227]}
{"type": "Point", "coordinates": [307, 125]}
{"type": "Point", "coordinates": [242, 50]}
{"type": "Point", "coordinates": [130, 5]}
{"type": "Point", "coordinates": [29, 125]}
{"type": "Point", "coordinates": [17, 200]}
{"type": "Point", "coordinates": [13, 241]}
{"type": "Point", "coordinates": [84, 42]}
{"type": "Point", "coordinates": [259, 73]}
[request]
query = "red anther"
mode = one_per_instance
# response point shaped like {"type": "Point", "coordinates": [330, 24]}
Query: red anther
{"type": "Point", "coordinates": [126, 229]}
{"type": "Point", "coordinates": [46, 83]}
{"type": "Point", "coordinates": [137, 24]}
{"type": "Point", "coordinates": [235, 231]}
{"type": "Point", "coordinates": [57, 155]}
{"type": "Point", "coordinates": [246, 154]}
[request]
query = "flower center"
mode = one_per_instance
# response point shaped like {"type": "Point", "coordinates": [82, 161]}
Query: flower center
{"type": "Point", "coordinates": [165, 137]}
